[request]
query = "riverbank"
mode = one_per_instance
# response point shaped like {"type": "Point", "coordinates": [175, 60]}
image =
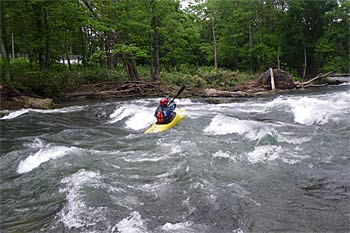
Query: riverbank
{"type": "Point", "coordinates": [225, 85]}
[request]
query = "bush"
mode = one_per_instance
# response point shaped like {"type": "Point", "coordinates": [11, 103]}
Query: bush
{"type": "Point", "coordinates": [27, 77]}
{"type": "Point", "coordinates": [206, 77]}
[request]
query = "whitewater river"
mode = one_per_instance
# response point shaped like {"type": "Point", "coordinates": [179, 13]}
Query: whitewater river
{"type": "Point", "coordinates": [275, 164]}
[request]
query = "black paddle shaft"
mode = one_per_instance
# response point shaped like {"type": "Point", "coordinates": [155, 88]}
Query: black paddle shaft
{"type": "Point", "coordinates": [178, 93]}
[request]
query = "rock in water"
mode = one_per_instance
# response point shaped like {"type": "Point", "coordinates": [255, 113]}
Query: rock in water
{"type": "Point", "coordinates": [38, 103]}
{"type": "Point", "coordinates": [283, 80]}
{"type": "Point", "coordinates": [12, 99]}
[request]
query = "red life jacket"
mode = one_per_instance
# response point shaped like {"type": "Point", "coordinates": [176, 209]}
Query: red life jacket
{"type": "Point", "coordinates": [160, 117]}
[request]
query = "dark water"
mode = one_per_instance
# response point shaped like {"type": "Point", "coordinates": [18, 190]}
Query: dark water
{"type": "Point", "coordinates": [278, 164]}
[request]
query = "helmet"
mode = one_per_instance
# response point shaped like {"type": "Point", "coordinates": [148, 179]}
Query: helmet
{"type": "Point", "coordinates": [163, 102]}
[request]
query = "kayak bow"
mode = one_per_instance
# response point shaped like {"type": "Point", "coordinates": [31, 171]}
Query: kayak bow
{"type": "Point", "coordinates": [155, 128]}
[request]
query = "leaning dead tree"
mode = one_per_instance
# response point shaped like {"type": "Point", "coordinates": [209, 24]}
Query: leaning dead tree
{"type": "Point", "coordinates": [309, 83]}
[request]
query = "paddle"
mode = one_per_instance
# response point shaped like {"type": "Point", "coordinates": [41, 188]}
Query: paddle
{"type": "Point", "coordinates": [178, 93]}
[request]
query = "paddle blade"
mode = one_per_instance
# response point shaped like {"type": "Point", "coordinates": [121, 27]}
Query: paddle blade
{"type": "Point", "coordinates": [181, 90]}
{"type": "Point", "coordinates": [178, 93]}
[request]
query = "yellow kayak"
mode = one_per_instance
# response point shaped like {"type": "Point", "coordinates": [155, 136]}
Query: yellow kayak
{"type": "Point", "coordinates": [155, 128]}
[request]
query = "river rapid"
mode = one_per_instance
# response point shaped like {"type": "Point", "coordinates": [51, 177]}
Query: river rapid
{"type": "Point", "coordinates": [272, 164]}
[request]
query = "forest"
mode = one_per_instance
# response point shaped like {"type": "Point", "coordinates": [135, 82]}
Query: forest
{"type": "Point", "coordinates": [51, 47]}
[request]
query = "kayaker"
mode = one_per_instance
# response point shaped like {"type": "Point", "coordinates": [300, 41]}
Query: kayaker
{"type": "Point", "coordinates": [165, 111]}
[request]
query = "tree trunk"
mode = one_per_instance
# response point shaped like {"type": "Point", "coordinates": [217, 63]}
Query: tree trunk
{"type": "Point", "coordinates": [154, 49]}
{"type": "Point", "coordinates": [47, 41]}
{"type": "Point", "coordinates": [250, 47]}
{"type": "Point", "coordinates": [156, 74]}
{"type": "Point", "coordinates": [150, 39]}
{"type": "Point", "coordinates": [272, 80]}
{"type": "Point", "coordinates": [150, 49]}
{"type": "Point", "coordinates": [66, 50]}
{"type": "Point", "coordinates": [134, 69]}
{"type": "Point", "coordinates": [38, 18]}
{"type": "Point", "coordinates": [13, 46]}
{"type": "Point", "coordinates": [108, 45]}
{"type": "Point", "coordinates": [214, 41]}
{"type": "Point", "coordinates": [278, 58]}
{"type": "Point", "coordinates": [131, 68]}
{"type": "Point", "coordinates": [6, 58]}
{"type": "Point", "coordinates": [305, 63]}
{"type": "Point", "coordinates": [83, 54]}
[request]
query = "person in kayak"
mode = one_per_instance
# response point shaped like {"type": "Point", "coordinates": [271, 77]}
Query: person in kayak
{"type": "Point", "coordinates": [165, 111]}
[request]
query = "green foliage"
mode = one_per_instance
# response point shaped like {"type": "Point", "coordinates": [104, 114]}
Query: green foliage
{"type": "Point", "coordinates": [332, 48]}
{"type": "Point", "coordinates": [206, 77]}
{"type": "Point", "coordinates": [130, 50]}
{"type": "Point", "coordinates": [251, 35]}
{"type": "Point", "coordinates": [28, 79]}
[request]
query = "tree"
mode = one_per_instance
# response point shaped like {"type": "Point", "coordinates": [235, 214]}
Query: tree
{"type": "Point", "coordinates": [305, 26]}
{"type": "Point", "coordinates": [3, 48]}
{"type": "Point", "coordinates": [332, 48]}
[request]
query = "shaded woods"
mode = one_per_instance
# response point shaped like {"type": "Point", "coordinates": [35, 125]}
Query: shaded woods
{"type": "Point", "coordinates": [51, 48]}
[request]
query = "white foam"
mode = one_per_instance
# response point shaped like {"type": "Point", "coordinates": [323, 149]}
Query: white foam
{"type": "Point", "coordinates": [131, 224]}
{"type": "Point", "coordinates": [61, 110]}
{"type": "Point", "coordinates": [146, 159]}
{"type": "Point", "coordinates": [170, 148]}
{"type": "Point", "coordinates": [221, 154]}
{"type": "Point", "coordinates": [222, 125]}
{"type": "Point", "coordinates": [20, 112]}
{"type": "Point", "coordinates": [238, 230]}
{"type": "Point", "coordinates": [139, 117]}
{"type": "Point", "coordinates": [264, 153]}
{"type": "Point", "coordinates": [292, 140]}
{"type": "Point", "coordinates": [122, 112]}
{"type": "Point", "coordinates": [311, 110]}
{"type": "Point", "coordinates": [43, 155]}
{"type": "Point", "coordinates": [318, 109]}
{"type": "Point", "coordinates": [76, 213]}
{"type": "Point", "coordinates": [14, 114]}
{"type": "Point", "coordinates": [177, 227]}
{"type": "Point", "coordinates": [183, 102]}
{"type": "Point", "coordinates": [36, 144]}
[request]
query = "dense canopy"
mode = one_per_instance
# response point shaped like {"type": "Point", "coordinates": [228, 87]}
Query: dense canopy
{"type": "Point", "coordinates": [301, 36]}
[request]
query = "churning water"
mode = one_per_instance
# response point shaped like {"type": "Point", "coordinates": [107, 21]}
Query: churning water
{"type": "Point", "coordinates": [276, 164]}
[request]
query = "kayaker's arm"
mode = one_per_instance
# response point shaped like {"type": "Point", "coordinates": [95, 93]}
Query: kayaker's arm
{"type": "Point", "coordinates": [169, 109]}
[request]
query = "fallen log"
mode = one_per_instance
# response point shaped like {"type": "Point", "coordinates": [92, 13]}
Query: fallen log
{"type": "Point", "coordinates": [210, 92]}
{"type": "Point", "coordinates": [120, 90]}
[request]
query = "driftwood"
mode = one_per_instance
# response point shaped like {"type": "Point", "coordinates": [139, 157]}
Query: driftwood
{"type": "Point", "coordinates": [121, 90]}
{"type": "Point", "coordinates": [210, 92]}
{"type": "Point", "coordinates": [308, 83]}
